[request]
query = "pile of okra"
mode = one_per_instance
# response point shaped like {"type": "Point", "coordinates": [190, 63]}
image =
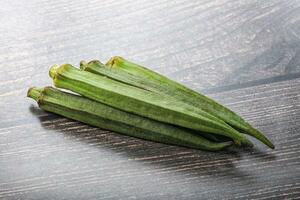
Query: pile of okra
{"type": "Point", "coordinates": [130, 99]}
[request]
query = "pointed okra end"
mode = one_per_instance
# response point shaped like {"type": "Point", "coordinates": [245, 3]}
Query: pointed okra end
{"type": "Point", "coordinates": [260, 136]}
{"type": "Point", "coordinates": [266, 141]}
{"type": "Point", "coordinates": [34, 93]}
{"type": "Point", "coordinates": [270, 144]}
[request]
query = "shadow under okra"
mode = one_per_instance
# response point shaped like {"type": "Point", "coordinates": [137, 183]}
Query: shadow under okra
{"type": "Point", "coordinates": [176, 159]}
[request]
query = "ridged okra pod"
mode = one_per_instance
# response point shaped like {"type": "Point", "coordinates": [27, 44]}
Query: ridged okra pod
{"type": "Point", "coordinates": [141, 102]}
{"type": "Point", "coordinates": [99, 68]}
{"type": "Point", "coordinates": [104, 116]}
{"type": "Point", "coordinates": [166, 85]}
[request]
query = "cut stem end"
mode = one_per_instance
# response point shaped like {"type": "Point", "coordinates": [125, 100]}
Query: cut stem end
{"type": "Point", "coordinates": [34, 93]}
{"type": "Point", "coordinates": [114, 61]}
{"type": "Point", "coordinates": [83, 65]}
{"type": "Point", "coordinates": [53, 71]}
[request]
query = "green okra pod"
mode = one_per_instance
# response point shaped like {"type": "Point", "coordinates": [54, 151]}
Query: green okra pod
{"type": "Point", "coordinates": [141, 102]}
{"type": "Point", "coordinates": [107, 117]}
{"type": "Point", "coordinates": [153, 81]}
{"type": "Point", "coordinates": [97, 67]}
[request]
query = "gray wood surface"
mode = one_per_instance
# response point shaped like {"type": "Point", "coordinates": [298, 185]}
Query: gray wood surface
{"type": "Point", "coordinates": [245, 54]}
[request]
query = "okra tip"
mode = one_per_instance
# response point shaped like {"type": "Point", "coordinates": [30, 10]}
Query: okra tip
{"type": "Point", "coordinates": [260, 136]}
{"type": "Point", "coordinates": [34, 93]}
{"type": "Point", "coordinates": [269, 144]}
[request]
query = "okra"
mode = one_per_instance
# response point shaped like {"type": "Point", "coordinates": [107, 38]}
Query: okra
{"type": "Point", "coordinates": [141, 102]}
{"type": "Point", "coordinates": [154, 81]}
{"type": "Point", "coordinates": [107, 117]}
{"type": "Point", "coordinates": [97, 67]}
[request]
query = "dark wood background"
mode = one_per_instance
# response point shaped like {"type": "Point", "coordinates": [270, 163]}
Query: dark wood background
{"type": "Point", "coordinates": [245, 54]}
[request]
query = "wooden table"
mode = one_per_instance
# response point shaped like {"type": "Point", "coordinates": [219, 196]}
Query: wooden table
{"type": "Point", "coordinates": [245, 54]}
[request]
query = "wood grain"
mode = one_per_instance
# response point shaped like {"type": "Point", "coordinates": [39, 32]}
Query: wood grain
{"type": "Point", "coordinates": [245, 54]}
